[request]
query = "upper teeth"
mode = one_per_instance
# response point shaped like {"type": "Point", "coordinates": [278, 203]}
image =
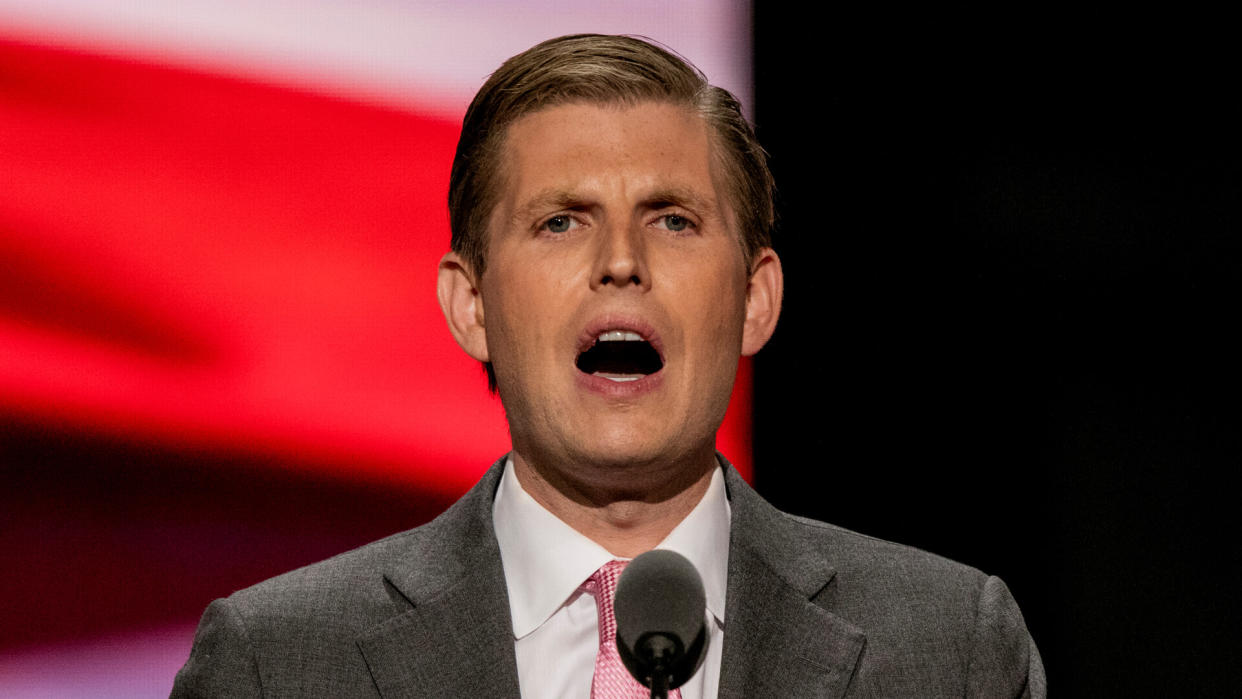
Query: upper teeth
{"type": "Point", "coordinates": [619, 336]}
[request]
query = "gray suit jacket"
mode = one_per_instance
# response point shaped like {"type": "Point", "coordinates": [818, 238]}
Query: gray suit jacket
{"type": "Point", "coordinates": [812, 611]}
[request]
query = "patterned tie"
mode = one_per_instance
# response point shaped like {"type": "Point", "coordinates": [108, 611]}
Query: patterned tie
{"type": "Point", "coordinates": [612, 680]}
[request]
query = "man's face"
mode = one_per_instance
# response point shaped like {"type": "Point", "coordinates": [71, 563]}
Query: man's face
{"type": "Point", "coordinates": [615, 296]}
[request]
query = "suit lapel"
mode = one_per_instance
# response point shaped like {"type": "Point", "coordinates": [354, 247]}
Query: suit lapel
{"type": "Point", "coordinates": [457, 639]}
{"type": "Point", "coordinates": [780, 639]}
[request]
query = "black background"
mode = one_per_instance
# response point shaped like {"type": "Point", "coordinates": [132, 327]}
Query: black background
{"type": "Point", "coordinates": [1009, 325]}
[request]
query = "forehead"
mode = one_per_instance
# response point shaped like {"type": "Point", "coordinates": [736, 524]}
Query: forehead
{"type": "Point", "coordinates": [594, 146]}
{"type": "Point", "coordinates": [657, 119]}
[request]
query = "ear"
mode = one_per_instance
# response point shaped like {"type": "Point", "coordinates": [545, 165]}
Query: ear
{"type": "Point", "coordinates": [763, 300]}
{"type": "Point", "coordinates": [462, 304]}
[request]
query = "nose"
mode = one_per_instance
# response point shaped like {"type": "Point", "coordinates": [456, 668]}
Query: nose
{"type": "Point", "coordinates": [621, 258]}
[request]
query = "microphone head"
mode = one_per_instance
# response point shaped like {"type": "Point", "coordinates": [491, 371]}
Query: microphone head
{"type": "Point", "coordinates": [661, 618]}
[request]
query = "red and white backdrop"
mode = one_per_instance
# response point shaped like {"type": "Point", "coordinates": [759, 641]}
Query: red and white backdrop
{"type": "Point", "coordinates": [219, 227]}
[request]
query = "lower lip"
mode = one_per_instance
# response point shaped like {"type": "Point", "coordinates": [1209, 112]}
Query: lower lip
{"type": "Point", "coordinates": [620, 389]}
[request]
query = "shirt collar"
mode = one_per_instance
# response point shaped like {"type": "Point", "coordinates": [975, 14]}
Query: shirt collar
{"type": "Point", "coordinates": [703, 538]}
{"type": "Point", "coordinates": [546, 561]}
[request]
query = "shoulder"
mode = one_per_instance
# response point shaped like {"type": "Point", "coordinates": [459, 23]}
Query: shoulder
{"type": "Point", "coordinates": [859, 571]}
{"type": "Point", "coordinates": [930, 625]}
{"type": "Point", "coordinates": [956, 624]}
{"type": "Point", "coordinates": [300, 630]}
{"type": "Point", "coordinates": [297, 631]}
{"type": "Point", "coordinates": [885, 569]}
{"type": "Point", "coordinates": [346, 591]}
{"type": "Point", "coordinates": [359, 588]}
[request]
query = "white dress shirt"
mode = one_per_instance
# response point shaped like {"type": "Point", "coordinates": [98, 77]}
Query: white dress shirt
{"type": "Point", "coordinates": [555, 627]}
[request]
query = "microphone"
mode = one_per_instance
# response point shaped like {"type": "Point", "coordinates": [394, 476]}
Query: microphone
{"type": "Point", "coordinates": [661, 629]}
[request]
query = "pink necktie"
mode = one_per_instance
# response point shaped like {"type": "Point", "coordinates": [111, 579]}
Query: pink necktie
{"type": "Point", "coordinates": [612, 680]}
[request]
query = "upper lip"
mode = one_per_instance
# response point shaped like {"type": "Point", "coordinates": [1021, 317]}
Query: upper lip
{"type": "Point", "coordinates": [605, 323]}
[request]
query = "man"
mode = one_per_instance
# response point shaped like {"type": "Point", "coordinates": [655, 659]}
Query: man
{"type": "Point", "coordinates": [611, 213]}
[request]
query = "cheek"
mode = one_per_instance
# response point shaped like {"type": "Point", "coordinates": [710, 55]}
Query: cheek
{"type": "Point", "coordinates": [723, 293]}
{"type": "Point", "coordinates": [715, 319]}
{"type": "Point", "coordinates": [522, 314]}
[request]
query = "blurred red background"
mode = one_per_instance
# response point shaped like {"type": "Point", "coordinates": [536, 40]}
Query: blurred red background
{"type": "Point", "coordinates": [220, 352]}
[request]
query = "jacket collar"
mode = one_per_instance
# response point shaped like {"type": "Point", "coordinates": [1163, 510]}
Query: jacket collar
{"type": "Point", "coordinates": [780, 637]}
{"type": "Point", "coordinates": [457, 639]}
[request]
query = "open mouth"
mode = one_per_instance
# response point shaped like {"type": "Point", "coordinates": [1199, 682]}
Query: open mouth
{"type": "Point", "coordinates": [620, 355]}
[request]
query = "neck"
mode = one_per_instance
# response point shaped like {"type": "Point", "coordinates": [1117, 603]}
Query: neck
{"type": "Point", "coordinates": [626, 521]}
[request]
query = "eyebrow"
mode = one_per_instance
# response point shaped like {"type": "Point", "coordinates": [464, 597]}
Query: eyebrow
{"type": "Point", "coordinates": [680, 196]}
{"type": "Point", "coordinates": [554, 198]}
{"type": "Point", "coordinates": [548, 200]}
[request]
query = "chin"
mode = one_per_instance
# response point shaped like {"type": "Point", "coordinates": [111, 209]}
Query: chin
{"type": "Point", "coordinates": [617, 452]}
{"type": "Point", "coordinates": [628, 449]}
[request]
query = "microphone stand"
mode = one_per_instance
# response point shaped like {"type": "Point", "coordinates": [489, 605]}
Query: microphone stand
{"type": "Point", "coordinates": [662, 650]}
{"type": "Point", "coordinates": [659, 686]}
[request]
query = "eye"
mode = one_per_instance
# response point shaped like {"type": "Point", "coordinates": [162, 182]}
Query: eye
{"type": "Point", "coordinates": [676, 223]}
{"type": "Point", "coordinates": [560, 224]}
